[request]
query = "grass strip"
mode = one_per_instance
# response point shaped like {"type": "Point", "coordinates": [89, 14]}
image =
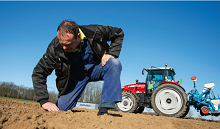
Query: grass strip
{"type": "Point", "coordinates": [17, 99]}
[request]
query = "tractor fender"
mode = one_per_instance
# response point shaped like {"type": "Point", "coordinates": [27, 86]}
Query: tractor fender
{"type": "Point", "coordinates": [175, 83]}
{"type": "Point", "coordinates": [138, 99]}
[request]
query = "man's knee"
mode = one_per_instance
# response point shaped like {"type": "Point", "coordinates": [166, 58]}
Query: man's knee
{"type": "Point", "coordinates": [115, 63]}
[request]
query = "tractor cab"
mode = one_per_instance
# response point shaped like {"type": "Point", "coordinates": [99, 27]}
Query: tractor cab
{"type": "Point", "coordinates": [157, 76]}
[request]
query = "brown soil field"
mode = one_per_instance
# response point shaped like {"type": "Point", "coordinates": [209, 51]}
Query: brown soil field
{"type": "Point", "coordinates": [27, 115]}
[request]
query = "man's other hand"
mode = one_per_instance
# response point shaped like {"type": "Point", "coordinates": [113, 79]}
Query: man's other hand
{"type": "Point", "coordinates": [105, 58]}
{"type": "Point", "coordinates": [50, 107]}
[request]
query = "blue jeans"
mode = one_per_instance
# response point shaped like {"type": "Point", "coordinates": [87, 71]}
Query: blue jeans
{"type": "Point", "coordinates": [111, 91]}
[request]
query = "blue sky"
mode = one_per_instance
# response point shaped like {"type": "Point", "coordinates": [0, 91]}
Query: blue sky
{"type": "Point", "coordinates": [186, 35]}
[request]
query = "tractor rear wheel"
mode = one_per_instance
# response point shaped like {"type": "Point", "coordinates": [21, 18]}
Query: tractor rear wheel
{"type": "Point", "coordinates": [128, 104]}
{"type": "Point", "coordinates": [170, 100]}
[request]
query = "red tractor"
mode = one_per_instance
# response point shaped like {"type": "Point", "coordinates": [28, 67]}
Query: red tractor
{"type": "Point", "coordinates": [160, 92]}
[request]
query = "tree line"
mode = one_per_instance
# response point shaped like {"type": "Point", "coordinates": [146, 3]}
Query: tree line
{"type": "Point", "coordinates": [91, 93]}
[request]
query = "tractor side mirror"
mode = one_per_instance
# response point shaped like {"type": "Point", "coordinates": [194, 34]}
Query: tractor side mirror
{"type": "Point", "coordinates": [143, 71]}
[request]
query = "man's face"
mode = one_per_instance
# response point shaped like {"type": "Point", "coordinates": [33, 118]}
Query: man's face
{"type": "Point", "coordinates": [68, 41]}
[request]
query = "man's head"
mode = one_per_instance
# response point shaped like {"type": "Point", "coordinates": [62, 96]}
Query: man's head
{"type": "Point", "coordinates": [68, 35]}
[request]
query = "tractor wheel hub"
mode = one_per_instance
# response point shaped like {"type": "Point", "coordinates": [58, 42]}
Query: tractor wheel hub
{"type": "Point", "coordinates": [168, 100]}
{"type": "Point", "coordinates": [125, 103]}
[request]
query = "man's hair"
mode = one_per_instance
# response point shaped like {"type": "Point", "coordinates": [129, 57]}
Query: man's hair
{"type": "Point", "coordinates": [68, 26]}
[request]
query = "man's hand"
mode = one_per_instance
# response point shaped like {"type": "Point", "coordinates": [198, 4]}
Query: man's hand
{"type": "Point", "coordinates": [105, 58]}
{"type": "Point", "coordinates": [50, 107]}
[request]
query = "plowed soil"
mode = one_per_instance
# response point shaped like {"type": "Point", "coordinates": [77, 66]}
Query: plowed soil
{"type": "Point", "coordinates": [27, 115]}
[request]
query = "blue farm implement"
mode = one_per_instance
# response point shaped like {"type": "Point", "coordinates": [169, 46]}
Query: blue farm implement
{"type": "Point", "coordinates": [206, 102]}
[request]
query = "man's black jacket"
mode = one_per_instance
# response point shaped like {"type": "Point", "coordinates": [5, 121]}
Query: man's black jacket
{"type": "Point", "coordinates": [54, 58]}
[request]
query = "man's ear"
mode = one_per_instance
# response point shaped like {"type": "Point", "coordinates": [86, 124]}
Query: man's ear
{"type": "Point", "coordinates": [58, 33]}
{"type": "Point", "coordinates": [79, 36]}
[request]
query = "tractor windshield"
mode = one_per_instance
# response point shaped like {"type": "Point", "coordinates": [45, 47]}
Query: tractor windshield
{"type": "Point", "coordinates": [157, 76]}
{"type": "Point", "coordinates": [168, 76]}
{"type": "Point", "coordinates": [154, 78]}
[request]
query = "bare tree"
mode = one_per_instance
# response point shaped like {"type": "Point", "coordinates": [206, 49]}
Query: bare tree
{"type": "Point", "coordinates": [53, 96]}
{"type": "Point", "coordinates": [92, 93]}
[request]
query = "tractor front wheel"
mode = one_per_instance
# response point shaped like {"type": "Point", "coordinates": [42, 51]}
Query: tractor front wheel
{"type": "Point", "coordinates": [128, 104]}
{"type": "Point", "coordinates": [170, 100]}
